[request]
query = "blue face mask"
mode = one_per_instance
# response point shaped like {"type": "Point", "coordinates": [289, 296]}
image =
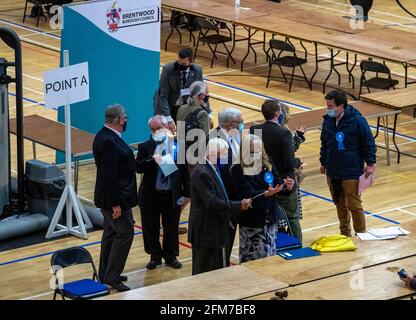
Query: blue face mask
{"type": "Point", "coordinates": [280, 119]}
{"type": "Point", "coordinates": [241, 127]}
{"type": "Point", "coordinates": [331, 113]}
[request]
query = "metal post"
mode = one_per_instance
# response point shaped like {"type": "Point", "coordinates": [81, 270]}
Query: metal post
{"type": "Point", "coordinates": [69, 197]}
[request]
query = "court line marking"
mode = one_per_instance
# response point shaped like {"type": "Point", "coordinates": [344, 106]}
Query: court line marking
{"type": "Point", "coordinates": [29, 29]}
{"type": "Point", "coordinates": [408, 212]}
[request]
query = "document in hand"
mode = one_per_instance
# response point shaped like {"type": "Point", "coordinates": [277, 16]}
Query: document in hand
{"type": "Point", "coordinates": [365, 183]}
{"type": "Point", "coordinates": [167, 165]}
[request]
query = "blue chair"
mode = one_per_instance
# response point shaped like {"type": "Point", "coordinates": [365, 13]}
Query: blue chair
{"type": "Point", "coordinates": [81, 289]}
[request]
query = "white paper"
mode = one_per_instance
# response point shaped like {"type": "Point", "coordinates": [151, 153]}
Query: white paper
{"type": "Point", "coordinates": [366, 236]}
{"type": "Point", "coordinates": [66, 85]}
{"type": "Point", "coordinates": [389, 231]}
{"type": "Point", "coordinates": [167, 165]}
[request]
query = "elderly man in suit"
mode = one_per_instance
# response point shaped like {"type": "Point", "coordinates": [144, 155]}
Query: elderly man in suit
{"type": "Point", "coordinates": [230, 128]}
{"type": "Point", "coordinates": [211, 211]}
{"type": "Point", "coordinates": [115, 194]}
{"type": "Point", "coordinates": [161, 195]}
{"type": "Point", "coordinates": [175, 80]}
{"type": "Point", "coordinates": [279, 146]}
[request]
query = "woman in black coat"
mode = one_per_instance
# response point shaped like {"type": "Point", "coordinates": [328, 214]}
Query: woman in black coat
{"type": "Point", "coordinates": [256, 175]}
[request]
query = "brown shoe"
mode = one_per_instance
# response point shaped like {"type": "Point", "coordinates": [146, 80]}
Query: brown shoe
{"type": "Point", "coordinates": [182, 230]}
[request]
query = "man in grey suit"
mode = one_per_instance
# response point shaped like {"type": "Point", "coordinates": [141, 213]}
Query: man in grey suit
{"type": "Point", "coordinates": [175, 80]}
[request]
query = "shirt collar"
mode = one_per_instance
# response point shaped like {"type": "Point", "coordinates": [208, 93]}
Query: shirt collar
{"type": "Point", "coordinates": [115, 131]}
{"type": "Point", "coordinates": [225, 132]}
{"type": "Point", "coordinates": [275, 121]}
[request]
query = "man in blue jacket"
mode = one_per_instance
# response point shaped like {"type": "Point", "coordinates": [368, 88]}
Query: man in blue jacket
{"type": "Point", "coordinates": [346, 143]}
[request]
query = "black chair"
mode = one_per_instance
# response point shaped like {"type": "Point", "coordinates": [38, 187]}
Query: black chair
{"type": "Point", "coordinates": [178, 20]}
{"type": "Point", "coordinates": [37, 6]}
{"type": "Point", "coordinates": [81, 289]}
{"type": "Point", "coordinates": [288, 61]}
{"type": "Point", "coordinates": [376, 82]}
{"type": "Point", "coordinates": [209, 33]}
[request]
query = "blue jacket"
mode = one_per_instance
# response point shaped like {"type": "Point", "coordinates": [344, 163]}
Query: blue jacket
{"type": "Point", "coordinates": [358, 141]}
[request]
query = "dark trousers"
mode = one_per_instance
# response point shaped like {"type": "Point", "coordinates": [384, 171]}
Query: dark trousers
{"type": "Point", "coordinates": [115, 244]}
{"type": "Point", "coordinates": [290, 204]}
{"type": "Point", "coordinates": [232, 232]}
{"type": "Point", "coordinates": [207, 259]}
{"type": "Point", "coordinates": [162, 206]}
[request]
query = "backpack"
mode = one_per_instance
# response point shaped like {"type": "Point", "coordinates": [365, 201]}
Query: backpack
{"type": "Point", "coordinates": [191, 122]}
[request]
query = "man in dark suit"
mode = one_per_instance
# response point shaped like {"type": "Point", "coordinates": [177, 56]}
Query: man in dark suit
{"type": "Point", "coordinates": [211, 211]}
{"type": "Point", "coordinates": [230, 125]}
{"type": "Point", "coordinates": [161, 195]}
{"type": "Point", "coordinates": [175, 80]}
{"type": "Point", "coordinates": [115, 194]}
{"type": "Point", "coordinates": [279, 146]}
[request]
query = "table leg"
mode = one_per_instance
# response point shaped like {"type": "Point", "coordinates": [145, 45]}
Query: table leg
{"type": "Point", "coordinates": [350, 75]}
{"type": "Point", "coordinates": [248, 47]}
{"type": "Point", "coordinates": [406, 66]}
{"type": "Point", "coordinates": [34, 149]}
{"type": "Point", "coordinates": [394, 136]}
{"type": "Point", "coordinates": [316, 61]}
{"type": "Point", "coordinates": [330, 69]}
{"type": "Point", "coordinates": [378, 127]}
{"type": "Point", "coordinates": [386, 138]}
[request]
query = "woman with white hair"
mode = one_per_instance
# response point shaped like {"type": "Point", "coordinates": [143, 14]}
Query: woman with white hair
{"type": "Point", "coordinates": [211, 211]}
{"type": "Point", "coordinates": [259, 180]}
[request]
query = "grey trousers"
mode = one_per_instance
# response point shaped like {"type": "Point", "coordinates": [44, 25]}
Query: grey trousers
{"type": "Point", "coordinates": [290, 204]}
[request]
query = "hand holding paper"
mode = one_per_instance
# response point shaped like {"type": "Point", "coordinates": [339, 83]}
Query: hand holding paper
{"type": "Point", "coordinates": [365, 181]}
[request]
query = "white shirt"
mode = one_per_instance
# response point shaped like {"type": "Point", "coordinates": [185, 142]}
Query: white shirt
{"type": "Point", "coordinates": [115, 131]}
{"type": "Point", "coordinates": [336, 122]}
{"type": "Point", "coordinates": [232, 141]}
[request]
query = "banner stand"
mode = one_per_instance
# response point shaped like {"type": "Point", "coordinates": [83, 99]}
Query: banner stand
{"type": "Point", "coordinates": [69, 196]}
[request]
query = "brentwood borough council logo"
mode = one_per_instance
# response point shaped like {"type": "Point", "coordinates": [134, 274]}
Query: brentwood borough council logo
{"type": "Point", "coordinates": [113, 17]}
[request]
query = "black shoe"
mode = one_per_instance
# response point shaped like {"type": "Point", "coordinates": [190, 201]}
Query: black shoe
{"type": "Point", "coordinates": [153, 264]}
{"type": "Point", "coordinates": [119, 286]}
{"type": "Point", "coordinates": [123, 278]}
{"type": "Point", "coordinates": [175, 264]}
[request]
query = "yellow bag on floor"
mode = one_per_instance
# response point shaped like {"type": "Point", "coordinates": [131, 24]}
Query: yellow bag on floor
{"type": "Point", "coordinates": [333, 243]}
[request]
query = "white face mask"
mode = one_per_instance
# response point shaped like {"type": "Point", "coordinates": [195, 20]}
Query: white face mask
{"type": "Point", "coordinates": [159, 136]}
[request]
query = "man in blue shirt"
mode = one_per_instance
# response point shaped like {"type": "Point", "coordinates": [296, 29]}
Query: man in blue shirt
{"type": "Point", "coordinates": [346, 144]}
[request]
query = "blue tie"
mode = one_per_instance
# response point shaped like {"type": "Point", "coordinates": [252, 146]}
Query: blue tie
{"type": "Point", "coordinates": [221, 183]}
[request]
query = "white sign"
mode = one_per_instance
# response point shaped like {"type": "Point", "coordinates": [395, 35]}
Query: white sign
{"type": "Point", "coordinates": [66, 85]}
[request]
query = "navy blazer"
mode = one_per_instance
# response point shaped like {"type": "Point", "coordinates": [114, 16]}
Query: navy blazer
{"type": "Point", "coordinates": [115, 183]}
{"type": "Point", "coordinates": [358, 141]}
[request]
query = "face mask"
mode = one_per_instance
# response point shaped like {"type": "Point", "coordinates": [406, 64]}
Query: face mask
{"type": "Point", "coordinates": [280, 119]}
{"type": "Point", "coordinates": [181, 67]}
{"type": "Point", "coordinates": [241, 127]}
{"type": "Point", "coordinates": [124, 125]}
{"type": "Point", "coordinates": [158, 137]}
{"type": "Point", "coordinates": [331, 113]}
{"type": "Point", "coordinates": [206, 99]}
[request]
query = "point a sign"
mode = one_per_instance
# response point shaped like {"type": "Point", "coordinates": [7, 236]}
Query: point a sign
{"type": "Point", "coordinates": [66, 85]}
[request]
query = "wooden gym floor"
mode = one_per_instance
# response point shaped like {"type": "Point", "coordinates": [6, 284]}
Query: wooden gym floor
{"type": "Point", "coordinates": [25, 272]}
